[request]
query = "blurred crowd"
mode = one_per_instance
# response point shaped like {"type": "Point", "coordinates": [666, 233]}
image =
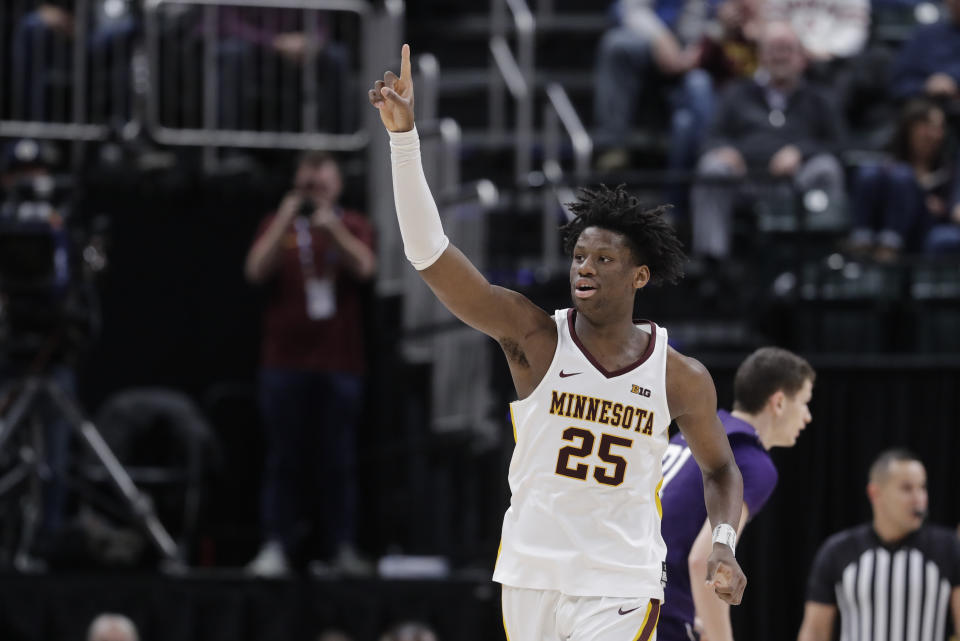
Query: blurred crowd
{"type": "Point", "coordinates": [844, 109]}
{"type": "Point", "coordinates": [848, 109]}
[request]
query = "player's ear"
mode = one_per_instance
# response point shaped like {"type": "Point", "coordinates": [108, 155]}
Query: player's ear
{"type": "Point", "coordinates": [777, 401]}
{"type": "Point", "coordinates": [641, 277]}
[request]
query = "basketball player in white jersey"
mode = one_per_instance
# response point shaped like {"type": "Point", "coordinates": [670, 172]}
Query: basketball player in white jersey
{"type": "Point", "coordinates": [581, 557]}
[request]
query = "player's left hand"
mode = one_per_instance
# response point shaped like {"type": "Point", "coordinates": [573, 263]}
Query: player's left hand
{"type": "Point", "coordinates": [724, 574]}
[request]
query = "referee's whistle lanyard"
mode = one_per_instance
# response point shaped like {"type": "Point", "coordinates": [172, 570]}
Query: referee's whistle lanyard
{"type": "Point", "coordinates": [319, 290]}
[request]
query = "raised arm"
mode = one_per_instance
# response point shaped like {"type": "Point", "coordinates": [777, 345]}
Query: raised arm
{"type": "Point", "coordinates": [526, 333]}
{"type": "Point", "coordinates": [693, 403]}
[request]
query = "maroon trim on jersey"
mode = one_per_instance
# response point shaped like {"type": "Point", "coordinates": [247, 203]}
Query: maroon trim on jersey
{"type": "Point", "coordinates": [652, 619]}
{"type": "Point", "coordinates": [571, 322]}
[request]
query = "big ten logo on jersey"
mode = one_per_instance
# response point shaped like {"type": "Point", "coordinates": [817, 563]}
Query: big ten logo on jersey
{"type": "Point", "coordinates": [642, 391]}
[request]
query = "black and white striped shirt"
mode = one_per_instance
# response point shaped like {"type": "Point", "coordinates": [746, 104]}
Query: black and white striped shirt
{"type": "Point", "coordinates": [897, 592]}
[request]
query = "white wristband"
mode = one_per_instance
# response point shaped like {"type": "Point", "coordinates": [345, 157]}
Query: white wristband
{"type": "Point", "coordinates": [420, 228]}
{"type": "Point", "coordinates": [724, 533]}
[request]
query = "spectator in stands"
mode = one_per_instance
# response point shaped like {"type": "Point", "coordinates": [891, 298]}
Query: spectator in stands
{"type": "Point", "coordinates": [729, 48]}
{"type": "Point", "coordinates": [896, 203]}
{"type": "Point", "coordinates": [773, 124]}
{"type": "Point", "coordinates": [929, 64]}
{"type": "Point", "coordinates": [728, 51]}
{"type": "Point", "coordinates": [313, 256]}
{"type": "Point", "coordinates": [112, 627]}
{"type": "Point", "coordinates": [655, 44]}
{"type": "Point", "coordinates": [262, 53]}
{"type": "Point", "coordinates": [410, 631]}
{"type": "Point", "coordinates": [834, 35]}
{"type": "Point", "coordinates": [43, 58]}
{"type": "Point", "coordinates": [944, 235]}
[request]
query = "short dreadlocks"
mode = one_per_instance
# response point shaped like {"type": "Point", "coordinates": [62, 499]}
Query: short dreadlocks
{"type": "Point", "coordinates": [651, 239]}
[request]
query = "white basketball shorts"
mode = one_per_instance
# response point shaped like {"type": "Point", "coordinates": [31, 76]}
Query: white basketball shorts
{"type": "Point", "coordinates": [547, 615]}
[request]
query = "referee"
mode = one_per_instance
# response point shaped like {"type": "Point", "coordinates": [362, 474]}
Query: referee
{"type": "Point", "coordinates": [892, 579]}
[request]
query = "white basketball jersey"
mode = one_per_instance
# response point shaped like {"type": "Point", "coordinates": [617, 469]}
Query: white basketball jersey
{"type": "Point", "coordinates": [584, 516]}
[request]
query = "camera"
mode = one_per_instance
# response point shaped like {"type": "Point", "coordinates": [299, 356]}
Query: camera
{"type": "Point", "coordinates": [46, 298]}
{"type": "Point", "coordinates": [306, 208]}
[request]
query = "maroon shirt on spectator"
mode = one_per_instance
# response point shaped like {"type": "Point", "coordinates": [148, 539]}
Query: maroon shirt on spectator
{"type": "Point", "coordinates": [291, 340]}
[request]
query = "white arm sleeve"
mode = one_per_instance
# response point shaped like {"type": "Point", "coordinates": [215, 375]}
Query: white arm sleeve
{"type": "Point", "coordinates": [420, 228]}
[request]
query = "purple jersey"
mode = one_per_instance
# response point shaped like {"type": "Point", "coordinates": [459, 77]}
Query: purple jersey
{"type": "Point", "coordinates": [684, 512]}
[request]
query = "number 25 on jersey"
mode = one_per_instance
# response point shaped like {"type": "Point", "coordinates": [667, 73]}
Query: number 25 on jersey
{"type": "Point", "coordinates": [584, 441]}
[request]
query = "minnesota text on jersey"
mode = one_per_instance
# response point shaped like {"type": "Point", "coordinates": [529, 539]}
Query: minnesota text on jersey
{"type": "Point", "coordinates": [600, 410]}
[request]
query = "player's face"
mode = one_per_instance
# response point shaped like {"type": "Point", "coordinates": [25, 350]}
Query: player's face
{"type": "Point", "coordinates": [794, 416]}
{"type": "Point", "coordinates": [604, 269]}
{"type": "Point", "coordinates": [901, 497]}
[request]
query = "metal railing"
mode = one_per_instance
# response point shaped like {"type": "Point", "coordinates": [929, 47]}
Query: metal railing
{"type": "Point", "coordinates": [441, 137]}
{"type": "Point", "coordinates": [94, 70]}
{"type": "Point", "coordinates": [67, 69]}
{"type": "Point", "coordinates": [559, 110]}
{"type": "Point", "coordinates": [516, 74]}
{"type": "Point", "coordinates": [382, 53]}
{"type": "Point", "coordinates": [248, 98]}
{"type": "Point", "coordinates": [556, 193]}
{"type": "Point", "coordinates": [458, 354]}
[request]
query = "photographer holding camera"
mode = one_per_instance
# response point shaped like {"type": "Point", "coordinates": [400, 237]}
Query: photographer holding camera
{"type": "Point", "coordinates": [312, 256]}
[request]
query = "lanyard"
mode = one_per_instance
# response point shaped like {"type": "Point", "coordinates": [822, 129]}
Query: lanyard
{"type": "Point", "coordinates": [320, 293]}
{"type": "Point", "coordinates": [301, 225]}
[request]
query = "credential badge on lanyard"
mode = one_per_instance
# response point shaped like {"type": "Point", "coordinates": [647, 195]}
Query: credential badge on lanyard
{"type": "Point", "coordinates": [320, 293]}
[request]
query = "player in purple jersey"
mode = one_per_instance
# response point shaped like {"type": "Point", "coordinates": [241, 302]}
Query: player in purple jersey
{"type": "Point", "coordinates": [772, 388]}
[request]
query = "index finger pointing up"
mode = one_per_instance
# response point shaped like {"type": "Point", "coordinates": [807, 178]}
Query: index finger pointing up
{"type": "Point", "coordinates": [405, 72]}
